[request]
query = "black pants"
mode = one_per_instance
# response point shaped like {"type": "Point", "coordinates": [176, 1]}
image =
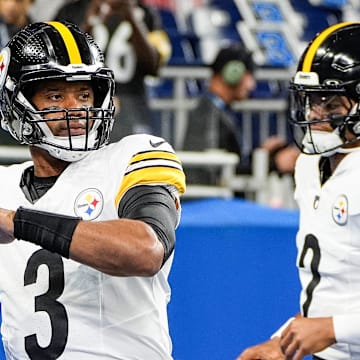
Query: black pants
{"type": "Point", "coordinates": [317, 358]}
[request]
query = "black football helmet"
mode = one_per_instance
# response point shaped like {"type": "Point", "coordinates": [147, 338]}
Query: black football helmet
{"type": "Point", "coordinates": [54, 51]}
{"type": "Point", "coordinates": [328, 69]}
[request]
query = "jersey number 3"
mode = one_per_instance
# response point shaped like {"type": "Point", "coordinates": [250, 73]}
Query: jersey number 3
{"type": "Point", "coordinates": [48, 302]}
{"type": "Point", "coordinates": [311, 243]}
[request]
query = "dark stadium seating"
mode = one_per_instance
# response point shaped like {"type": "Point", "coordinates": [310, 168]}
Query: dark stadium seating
{"type": "Point", "coordinates": [317, 17]}
{"type": "Point", "coordinates": [225, 25]}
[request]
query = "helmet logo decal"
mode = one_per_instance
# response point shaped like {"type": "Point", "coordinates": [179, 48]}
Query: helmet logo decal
{"type": "Point", "coordinates": [4, 63]}
{"type": "Point", "coordinates": [332, 82]}
{"type": "Point", "coordinates": [89, 204]}
{"type": "Point", "coordinates": [340, 210]}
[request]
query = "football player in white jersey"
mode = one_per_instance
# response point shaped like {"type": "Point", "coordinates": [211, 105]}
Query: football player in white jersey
{"type": "Point", "coordinates": [135, 45]}
{"type": "Point", "coordinates": [325, 114]}
{"type": "Point", "coordinates": [87, 229]}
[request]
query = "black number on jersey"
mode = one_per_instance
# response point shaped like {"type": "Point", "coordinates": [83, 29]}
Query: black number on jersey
{"type": "Point", "coordinates": [311, 242]}
{"type": "Point", "coordinates": [48, 302]}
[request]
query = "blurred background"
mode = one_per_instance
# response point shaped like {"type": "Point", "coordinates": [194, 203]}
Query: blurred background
{"type": "Point", "coordinates": [276, 33]}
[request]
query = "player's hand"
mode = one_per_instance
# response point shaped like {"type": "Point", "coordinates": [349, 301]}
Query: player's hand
{"type": "Point", "coordinates": [269, 350]}
{"type": "Point", "coordinates": [305, 336]}
{"type": "Point", "coordinates": [123, 9]}
{"type": "Point", "coordinates": [102, 10]}
{"type": "Point", "coordinates": [6, 226]}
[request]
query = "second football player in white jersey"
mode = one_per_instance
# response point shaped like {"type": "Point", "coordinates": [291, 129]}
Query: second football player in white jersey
{"type": "Point", "coordinates": [325, 115]}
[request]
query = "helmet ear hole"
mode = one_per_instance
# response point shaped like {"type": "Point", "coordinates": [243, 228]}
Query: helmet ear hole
{"type": "Point", "coordinates": [356, 128]}
{"type": "Point", "coordinates": [28, 129]}
{"type": "Point", "coordinates": [357, 88]}
{"type": "Point", "coordinates": [4, 124]}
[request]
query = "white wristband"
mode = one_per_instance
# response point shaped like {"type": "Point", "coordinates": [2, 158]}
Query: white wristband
{"type": "Point", "coordinates": [282, 328]}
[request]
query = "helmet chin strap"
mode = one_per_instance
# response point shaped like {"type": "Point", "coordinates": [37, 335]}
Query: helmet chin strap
{"type": "Point", "coordinates": [328, 143]}
{"type": "Point", "coordinates": [321, 142]}
{"type": "Point", "coordinates": [63, 154]}
{"type": "Point", "coordinates": [347, 150]}
{"type": "Point", "coordinates": [60, 146]}
{"type": "Point", "coordinates": [355, 127]}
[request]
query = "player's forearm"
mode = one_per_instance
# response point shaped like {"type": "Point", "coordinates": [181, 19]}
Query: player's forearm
{"type": "Point", "coordinates": [120, 247]}
{"type": "Point", "coordinates": [6, 226]}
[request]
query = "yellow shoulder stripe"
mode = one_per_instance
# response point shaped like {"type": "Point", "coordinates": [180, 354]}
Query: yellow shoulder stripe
{"type": "Point", "coordinates": [150, 168]}
{"type": "Point", "coordinates": [148, 155]}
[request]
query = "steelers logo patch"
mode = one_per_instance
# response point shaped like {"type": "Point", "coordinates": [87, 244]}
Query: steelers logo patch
{"type": "Point", "coordinates": [4, 63]}
{"type": "Point", "coordinates": [89, 204]}
{"type": "Point", "coordinates": [340, 210]}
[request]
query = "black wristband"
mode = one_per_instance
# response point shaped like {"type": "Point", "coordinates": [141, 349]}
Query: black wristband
{"type": "Point", "coordinates": [53, 232]}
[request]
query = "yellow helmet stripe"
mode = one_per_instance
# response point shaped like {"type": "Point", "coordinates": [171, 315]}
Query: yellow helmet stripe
{"type": "Point", "coordinates": [310, 54]}
{"type": "Point", "coordinates": [69, 41]}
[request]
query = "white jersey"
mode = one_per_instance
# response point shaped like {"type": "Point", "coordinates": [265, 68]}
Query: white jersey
{"type": "Point", "coordinates": [61, 309]}
{"type": "Point", "coordinates": [328, 243]}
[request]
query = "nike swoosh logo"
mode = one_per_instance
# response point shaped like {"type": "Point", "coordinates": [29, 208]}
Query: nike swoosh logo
{"type": "Point", "coordinates": [157, 144]}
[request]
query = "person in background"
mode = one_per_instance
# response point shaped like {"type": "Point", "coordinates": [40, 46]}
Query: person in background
{"type": "Point", "coordinates": [87, 228]}
{"type": "Point", "coordinates": [212, 124]}
{"type": "Point", "coordinates": [14, 15]}
{"type": "Point", "coordinates": [282, 155]}
{"type": "Point", "coordinates": [41, 11]}
{"type": "Point", "coordinates": [325, 114]}
{"type": "Point", "coordinates": [135, 46]}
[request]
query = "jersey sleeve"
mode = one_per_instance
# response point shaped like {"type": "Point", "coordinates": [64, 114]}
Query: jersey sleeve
{"type": "Point", "coordinates": [155, 163]}
{"type": "Point", "coordinates": [155, 206]}
{"type": "Point", "coordinates": [346, 328]}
